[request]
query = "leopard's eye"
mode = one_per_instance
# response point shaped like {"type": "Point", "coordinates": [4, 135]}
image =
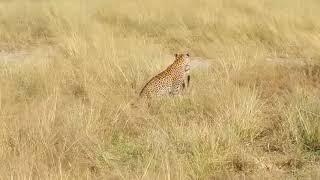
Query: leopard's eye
{"type": "Point", "coordinates": [188, 54]}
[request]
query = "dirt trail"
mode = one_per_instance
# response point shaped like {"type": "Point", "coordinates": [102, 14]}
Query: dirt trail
{"type": "Point", "coordinates": [26, 55]}
{"type": "Point", "coordinates": [45, 51]}
{"type": "Point", "coordinates": [199, 63]}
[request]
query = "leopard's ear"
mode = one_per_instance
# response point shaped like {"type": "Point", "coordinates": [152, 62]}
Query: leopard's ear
{"type": "Point", "coordinates": [176, 55]}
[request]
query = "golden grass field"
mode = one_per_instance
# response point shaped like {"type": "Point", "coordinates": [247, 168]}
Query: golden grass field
{"type": "Point", "coordinates": [71, 69]}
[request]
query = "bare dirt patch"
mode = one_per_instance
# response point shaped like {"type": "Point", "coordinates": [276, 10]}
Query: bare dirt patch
{"type": "Point", "coordinates": [25, 55]}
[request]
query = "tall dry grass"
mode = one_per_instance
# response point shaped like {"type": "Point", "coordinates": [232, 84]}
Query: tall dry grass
{"type": "Point", "coordinates": [67, 114]}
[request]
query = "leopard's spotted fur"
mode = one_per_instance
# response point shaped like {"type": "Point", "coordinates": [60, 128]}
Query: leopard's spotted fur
{"type": "Point", "coordinates": [170, 81]}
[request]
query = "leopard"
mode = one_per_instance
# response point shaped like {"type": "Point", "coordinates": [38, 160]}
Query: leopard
{"type": "Point", "coordinates": [171, 81]}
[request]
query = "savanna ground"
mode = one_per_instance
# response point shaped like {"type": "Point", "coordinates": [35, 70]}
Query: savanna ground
{"type": "Point", "coordinates": [65, 110]}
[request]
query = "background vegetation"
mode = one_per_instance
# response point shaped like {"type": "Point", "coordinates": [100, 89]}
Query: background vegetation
{"type": "Point", "coordinates": [65, 105]}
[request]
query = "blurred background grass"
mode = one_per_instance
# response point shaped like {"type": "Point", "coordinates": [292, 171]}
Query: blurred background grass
{"type": "Point", "coordinates": [67, 114]}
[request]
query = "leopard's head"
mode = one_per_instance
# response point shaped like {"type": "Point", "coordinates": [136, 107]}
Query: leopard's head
{"type": "Point", "coordinates": [184, 59]}
{"type": "Point", "coordinates": [182, 56]}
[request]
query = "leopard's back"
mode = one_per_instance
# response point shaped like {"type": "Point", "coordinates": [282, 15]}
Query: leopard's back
{"type": "Point", "coordinates": [171, 81]}
{"type": "Point", "coordinates": [159, 85]}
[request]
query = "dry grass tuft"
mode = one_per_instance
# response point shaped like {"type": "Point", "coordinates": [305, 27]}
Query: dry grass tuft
{"type": "Point", "coordinates": [71, 70]}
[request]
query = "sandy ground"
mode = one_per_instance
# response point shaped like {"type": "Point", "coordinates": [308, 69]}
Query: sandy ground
{"type": "Point", "coordinates": [43, 52]}
{"type": "Point", "coordinates": [200, 63]}
{"type": "Point", "coordinates": [26, 55]}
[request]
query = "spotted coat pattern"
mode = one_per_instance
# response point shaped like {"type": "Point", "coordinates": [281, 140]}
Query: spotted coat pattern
{"type": "Point", "coordinates": [170, 81]}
